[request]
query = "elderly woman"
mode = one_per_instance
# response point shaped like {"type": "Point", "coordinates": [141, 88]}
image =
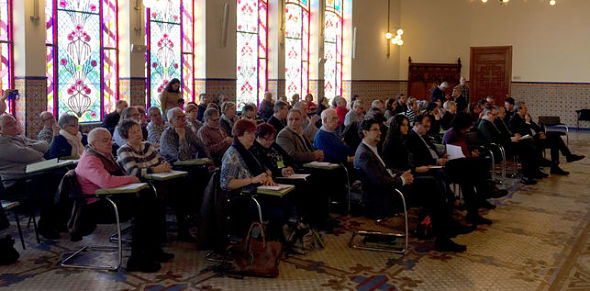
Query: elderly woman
{"type": "Point", "coordinates": [241, 170]}
{"type": "Point", "coordinates": [228, 117]}
{"type": "Point", "coordinates": [139, 158]}
{"type": "Point", "coordinates": [70, 142]}
{"type": "Point", "coordinates": [128, 113]}
{"type": "Point", "coordinates": [213, 136]}
{"type": "Point", "coordinates": [192, 122]}
{"type": "Point", "coordinates": [97, 169]}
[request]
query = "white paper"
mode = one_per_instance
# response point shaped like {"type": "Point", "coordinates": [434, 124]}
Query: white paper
{"type": "Point", "coordinates": [278, 187]}
{"type": "Point", "coordinates": [297, 176]}
{"type": "Point", "coordinates": [166, 175]}
{"type": "Point", "coordinates": [454, 152]}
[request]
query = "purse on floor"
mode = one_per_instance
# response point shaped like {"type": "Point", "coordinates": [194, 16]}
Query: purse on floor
{"type": "Point", "coordinates": [255, 257]}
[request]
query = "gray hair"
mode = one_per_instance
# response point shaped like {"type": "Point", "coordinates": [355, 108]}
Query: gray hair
{"type": "Point", "coordinates": [227, 105]}
{"type": "Point", "coordinates": [518, 105]}
{"type": "Point", "coordinates": [126, 113]}
{"type": "Point", "coordinates": [45, 113]}
{"type": "Point", "coordinates": [209, 113]}
{"type": "Point", "coordinates": [298, 105]}
{"type": "Point", "coordinates": [125, 126]}
{"type": "Point", "coordinates": [376, 103]}
{"type": "Point", "coordinates": [448, 104]}
{"type": "Point", "coordinates": [153, 109]}
{"type": "Point", "coordinates": [444, 84]}
{"type": "Point", "coordinates": [324, 114]}
{"type": "Point", "coordinates": [66, 119]}
{"type": "Point", "coordinates": [171, 114]}
{"type": "Point", "coordinates": [93, 134]}
{"type": "Point", "coordinates": [279, 105]}
{"type": "Point", "coordinates": [357, 103]}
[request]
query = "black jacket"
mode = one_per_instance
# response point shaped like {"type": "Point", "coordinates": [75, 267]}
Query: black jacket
{"type": "Point", "coordinates": [110, 121]}
{"type": "Point", "coordinates": [420, 153]}
{"type": "Point", "coordinates": [491, 134]}
{"type": "Point", "coordinates": [270, 157]}
{"type": "Point", "coordinates": [396, 155]}
{"type": "Point", "coordinates": [278, 125]}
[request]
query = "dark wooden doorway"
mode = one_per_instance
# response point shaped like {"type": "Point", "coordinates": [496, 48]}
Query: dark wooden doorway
{"type": "Point", "coordinates": [490, 73]}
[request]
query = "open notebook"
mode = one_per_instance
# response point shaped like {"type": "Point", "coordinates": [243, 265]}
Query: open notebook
{"type": "Point", "coordinates": [321, 165]}
{"type": "Point", "coordinates": [278, 190]}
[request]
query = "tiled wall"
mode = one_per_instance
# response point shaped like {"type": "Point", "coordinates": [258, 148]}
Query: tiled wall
{"type": "Point", "coordinates": [369, 90]}
{"type": "Point", "coordinates": [554, 99]}
{"type": "Point", "coordinates": [32, 100]}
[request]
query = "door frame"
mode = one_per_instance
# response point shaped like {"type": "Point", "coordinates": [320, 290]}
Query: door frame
{"type": "Point", "coordinates": [507, 50]}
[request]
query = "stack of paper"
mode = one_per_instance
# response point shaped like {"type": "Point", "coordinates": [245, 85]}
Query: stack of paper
{"type": "Point", "coordinates": [278, 190]}
{"type": "Point", "coordinates": [321, 165]}
{"type": "Point", "coordinates": [194, 162]}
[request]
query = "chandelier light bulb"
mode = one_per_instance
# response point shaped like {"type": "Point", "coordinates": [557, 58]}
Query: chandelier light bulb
{"type": "Point", "coordinates": [484, 1]}
{"type": "Point", "coordinates": [552, 2]}
{"type": "Point", "coordinates": [505, 1]}
{"type": "Point", "coordinates": [400, 42]}
{"type": "Point", "coordinates": [388, 35]}
{"type": "Point", "coordinates": [401, 31]}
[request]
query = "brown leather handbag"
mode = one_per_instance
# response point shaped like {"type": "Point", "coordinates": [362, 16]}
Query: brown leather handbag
{"type": "Point", "coordinates": [253, 257]}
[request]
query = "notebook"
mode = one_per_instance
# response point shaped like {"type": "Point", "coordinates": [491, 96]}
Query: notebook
{"type": "Point", "coordinates": [279, 190]}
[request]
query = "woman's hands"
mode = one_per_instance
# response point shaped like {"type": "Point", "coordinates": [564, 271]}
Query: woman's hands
{"type": "Point", "coordinates": [162, 168]}
{"type": "Point", "coordinates": [288, 171]}
{"type": "Point", "coordinates": [264, 179]}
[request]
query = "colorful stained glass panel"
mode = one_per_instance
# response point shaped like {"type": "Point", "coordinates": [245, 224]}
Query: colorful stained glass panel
{"type": "Point", "coordinates": [296, 47]}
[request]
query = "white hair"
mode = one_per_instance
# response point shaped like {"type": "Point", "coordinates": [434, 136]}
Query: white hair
{"type": "Point", "coordinates": [325, 113]}
{"type": "Point", "coordinates": [171, 114]}
{"type": "Point", "coordinates": [93, 134]}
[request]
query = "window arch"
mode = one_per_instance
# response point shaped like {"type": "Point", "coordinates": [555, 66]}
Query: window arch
{"type": "Point", "coordinates": [170, 41]}
{"type": "Point", "coordinates": [252, 38]}
{"type": "Point", "coordinates": [297, 47]}
{"type": "Point", "coordinates": [333, 31]}
{"type": "Point", "coordinates": [82, 57]}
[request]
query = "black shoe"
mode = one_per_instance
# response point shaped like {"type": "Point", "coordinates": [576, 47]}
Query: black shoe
{"type": "Point", "coordinates": [458, 229]}
{"type": "Point", "coordinates": [487, 205]}
{"type": "Point", "coordinates": [558, 171]}
{"type": "Point", "coordinates": [447, 245]}
{"type": "Point", "coordinates": [477, 219]}
{"type": "Point", "coordinates": [528, 181]}
{"type": "Point", "coordinates": [136, 264]}
{"type": "Point", "coordinates": [573, 158]}
{"type": "Point", "coordinates": [498, 193]}
{"type": "Point", "coordinates": [540, 175]}
{"type": "Point", "coordinates": [161, 256]}
{"type": "Point", "coordinates": [9, 254]}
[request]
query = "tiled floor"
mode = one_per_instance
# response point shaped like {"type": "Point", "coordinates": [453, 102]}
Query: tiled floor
{"type": "Point", "coordinates": [539, 241]}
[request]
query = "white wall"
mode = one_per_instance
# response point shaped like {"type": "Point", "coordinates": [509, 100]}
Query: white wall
{"type": "Point", "coordinates": [550, 44]}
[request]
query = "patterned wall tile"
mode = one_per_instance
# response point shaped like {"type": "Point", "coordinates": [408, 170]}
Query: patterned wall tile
{"type": "Point", "coordinates": [138, 91]}
{"type": "Point", "coordinates": [32, 100]}
{"type": "Point", "coordinates": [216, 87]}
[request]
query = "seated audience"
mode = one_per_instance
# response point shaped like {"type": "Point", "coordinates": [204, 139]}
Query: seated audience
{"type": "Point", "coordinates": [111, 120]}
{"type": "Point", "coordinates": [177, 143]}
{"type": "Point", "coordinates": [307, 123]}
{"type": "Point", "coordinates": [412, 109]}
{"type": "Point", "coordinates": [70, 142]}
{"type": "Point", "coordinates": [228, 117]}
{"type": "Point", "coordinates": [380, 183]}
{"type": "Point", "coordinates": [280, 114]}
{"type": "Point", "coordinates": [341, 109]}
{"type": "Point", "coordinates": [450, 112]}
{"type": "Point", "coordinates": [356, 114]}
{"type": "Point", "coordinates": [294, 99]}
{"type": "Point", "coordinates": [439, 92]}
{"type": "Point", "coordinates": [50, 128]}
{"type": "Point", "coordinates": [526, 150]}
{"type": "Point", "coordinates": [128, 113]}
{"type": "Point", "coordinates": [249, 112]}
{"type": "Point", "coordinates": [518, 123]}
{"type": "Point", "coordinates": [213, 136]}
{"type": "Point", "coordinates": [170, 95]}
{"type": "Point", "coordinates": [266, 106]}
{"type": "Point", "coordinates": [97, 169]}
{"type": "Point", "coordinates": [401, 101]}
{"type": "Point", "coordinates": [156, 126]}
{"type": "Point", "coordinates": [203, 103]}
{"type": "Point", "coordinates": [327, 140]}
{"type": "Point", "coordinates": [323, 104]}
{"type": "Point", "coordinates": [311, 106]}
{"type": "Point", "coordinates": [292, 140]}
{"type": "Point", "coordinates": [509, 106]}
{"type": "Point", "coordinates": [16, 152]}
{"type": "Point", "coordinates": [192, 122]}
{"type": "Point", "coordinates": [390, 108]}
{"type": "Point", "coordinates": [379, 105]}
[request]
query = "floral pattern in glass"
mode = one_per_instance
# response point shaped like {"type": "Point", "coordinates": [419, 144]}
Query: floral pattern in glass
{"type": "Point", "coordinates": [296, 47]}
{"type": "Point", "coordinates": [6, 49]}
{"type": "Point", "coordinates": [333, 29]}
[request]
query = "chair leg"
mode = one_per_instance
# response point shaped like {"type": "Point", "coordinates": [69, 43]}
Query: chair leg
{"type": "Point", "coordinates": [258, 207]}
{"type": "Point", "coordinates": [35, 228]}
{"type": "Point", "coordinates": [20, 231]}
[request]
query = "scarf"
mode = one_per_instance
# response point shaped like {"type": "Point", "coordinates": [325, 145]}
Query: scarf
{"type": "Point", "coordinates": [108, 162]}
{"type": "Point", "coordinates": [75, 141]}
{"type": "Point", "coordinates": [252, 163]}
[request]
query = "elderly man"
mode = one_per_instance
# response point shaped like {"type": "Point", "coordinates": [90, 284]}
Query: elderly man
{"type": "Point", "coordinates": [335, 150]}
{"type": "Point", "coordinates": [228, 117]}
{"type": "Point", "coordinates": [292, 140]}
{"type": "Point", "coordinates": [356, 114]}
{"type": "Point", "coordinates": [464, 89]}
{"type": "Point", "coordinates": [378, 104]}
{"type": "Point", "coordinates": [112, 119]}
{"type": "Point", "coordinates": [50, 128]}
{"type": "Point", "coordinates": [16, 152]}
{"type": "Point", "coordinates": [178, 143]}
{"type": "Point", "coordinates": [156, 125]}
{"type": "Point", "coordinates": [213, 136]}
{"type": "Point", "coordinates": [307, 123]}
{"type": "Point", "coordinates": [280, 114]}
{"type": "Point", "coordinates": [97, 169]}
{"type": "Point", "coordinates": [266, 106]}
{"type": "Point", "coordinates": [438, 93]}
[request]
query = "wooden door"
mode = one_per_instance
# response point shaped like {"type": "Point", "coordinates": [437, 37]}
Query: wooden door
{"type": "Point", "coordinates": [490, 73]}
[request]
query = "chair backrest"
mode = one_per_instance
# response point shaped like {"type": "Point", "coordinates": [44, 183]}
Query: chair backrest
{"type": "Point", "coordinates": [583, 114]}
{"type": "Point", "coordinates": [549, 120]}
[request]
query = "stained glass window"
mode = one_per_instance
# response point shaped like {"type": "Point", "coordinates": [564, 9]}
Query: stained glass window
{"type": "Point", "coordinates": [82, 57]}
{"type": "Point", "coordinates": [6, 48]}
{"type": "Point", "coordinates": [296, 47]}
{"type": "Point", "coordinates": [251, 73]}
{"type": "Point", "coordinates": [333, 30]}
{"type": "Point", "coordinates": [171, 48]}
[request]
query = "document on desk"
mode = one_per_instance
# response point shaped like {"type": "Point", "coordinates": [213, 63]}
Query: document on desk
{"type": "Point", "coordinates": [321, 165]}
{"type": "Point", "coordinates": [194, 162]}
{"type": "Point", "coordinates": [47, 165]}
{"type": "Point", "coordinates": [454, 152]}
{"type": "Point", "coordinates": [297, 177]}
{"type": "Point", "coordinates": [129, 188]}
{"type": "Point", "coordinates": [166, 176]}
{"type": "Point", "coordinates": [279, 190]}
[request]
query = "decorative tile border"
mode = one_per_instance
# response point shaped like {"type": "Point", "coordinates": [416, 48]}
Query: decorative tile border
{"type": "Point", "coordinates": [32, 100]}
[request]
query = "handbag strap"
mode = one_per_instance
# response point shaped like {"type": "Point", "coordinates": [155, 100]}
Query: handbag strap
{"type": "Point", "coordinates": [249, 236]}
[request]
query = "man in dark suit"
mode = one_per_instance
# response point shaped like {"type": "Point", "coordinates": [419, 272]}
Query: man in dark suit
{"type": "Point", "coordinates": [468, 173]}
{"type": "Point", "coordinates": [380, 182]}
{"type": "Point", "coordinates": [277, 119]}
{"type": "Point", "coordinates": [509, 107]}
{"type": "Point", "coordinates": [521, 123]}
{"type": "Point", "coordinates": [111, 120]}
{"type": "Point", "coordinates": [439, 92]}
{"type": "Point", "coordinates": [526, 150]}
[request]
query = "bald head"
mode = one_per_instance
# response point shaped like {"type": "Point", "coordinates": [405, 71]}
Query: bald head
{"type": "Point", "coordinates": [47, 118]}
{"type": "Point", "coordinates": [100, 140]}
{"type": "Point", "coordinates": [9, 125]}
{"type": "Point", "coordinates": [330, 119]}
